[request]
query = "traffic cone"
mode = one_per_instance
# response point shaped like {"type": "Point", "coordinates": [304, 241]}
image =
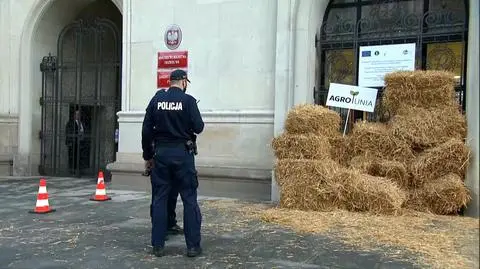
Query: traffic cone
{"type": "Point", "coordinates": [42, 206]}
{"type": "Point", "coordinates": [101, 192]}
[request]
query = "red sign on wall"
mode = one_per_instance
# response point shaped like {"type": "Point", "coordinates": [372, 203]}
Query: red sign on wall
{"type": "Point", "coordinates": [173, 59]}
{"type": "Point", "coordinates": [168, 61]}
{"type": "Point", "coordinates": [163, 79]}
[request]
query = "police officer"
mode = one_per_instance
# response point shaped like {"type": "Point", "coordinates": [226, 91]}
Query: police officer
{"type": "Point", "coordinates": [173, 228]}
{"type": "Point", "coordinates": [171, 119]}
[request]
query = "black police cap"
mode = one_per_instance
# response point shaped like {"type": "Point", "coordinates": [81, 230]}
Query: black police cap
{"type": "Point", "coordinates": [178, 75]}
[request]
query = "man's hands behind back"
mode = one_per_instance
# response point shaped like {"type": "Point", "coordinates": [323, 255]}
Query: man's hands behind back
{"type": "Point", "coordinates": [148, 168]}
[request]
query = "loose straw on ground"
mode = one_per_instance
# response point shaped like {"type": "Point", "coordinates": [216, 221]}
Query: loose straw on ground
{"type": "Point", "coordinates": [442, 242]}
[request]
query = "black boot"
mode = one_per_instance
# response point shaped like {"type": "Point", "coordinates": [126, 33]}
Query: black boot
{"type": "Point", "coordinates": [158, 251]}
{"type": "Point", "coordinates": [175, 230]}
{"type": "Point", "coordinates": [194, 252]}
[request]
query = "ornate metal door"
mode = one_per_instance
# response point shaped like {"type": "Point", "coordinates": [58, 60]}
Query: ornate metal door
{"type": "Point", "coordinates": [80, 97]}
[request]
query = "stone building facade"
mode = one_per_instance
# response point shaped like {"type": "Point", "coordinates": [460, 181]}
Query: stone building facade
{"type": "Point", "coordinates": [249, 62]}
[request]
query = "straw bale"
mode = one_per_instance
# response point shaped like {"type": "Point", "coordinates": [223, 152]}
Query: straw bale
{"type": "Point", "coordinates": [444, 196]}
{"type": "Point", "coordinates": [395, 171]}
{"type": "Point", "coordinates": [309, 146]}
{"type": "Point", "coordinates": [425, 128]}
{"type": "Point", "coordinates": [304, 171]}
{"type": "Point", "coordinates": [306, 184]}
{"type": "Point", "coordinates": [420, 79]}
{"type": "Point", "coordinates": [450, 157]}
{"type": "Point", "coordinates": [340, 150]}
{"type": "Point", "coordinates": [314, 119]}
{"type": "Point", "coordinates": [361, 163]}
{"type": "Point", "coordinates": [361, 192]}
{"type": "Point", "coordinates": [307, 198]}
{"type": "Point", "coordinates": [323, 185]}
{"type": "Point", "coordinates": [375, 140]}
{"type": "Point", "coordinates": [419, 88]}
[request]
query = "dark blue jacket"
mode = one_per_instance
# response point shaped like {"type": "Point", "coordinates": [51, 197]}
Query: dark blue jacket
{"type": "Point", "coordinates": [172, 116]}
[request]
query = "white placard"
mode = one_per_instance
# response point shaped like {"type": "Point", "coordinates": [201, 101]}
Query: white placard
{"type": "Point", "coordinates": [376, 61]}
{"type": "Point", "coordinates": [352, 97]}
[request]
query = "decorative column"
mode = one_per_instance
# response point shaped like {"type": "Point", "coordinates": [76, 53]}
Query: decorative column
{"type": "Point", "coordinates": [126, 55]}
{"type": "Point", "coordinates": [473, 112]}
{"type": "Point", "coordinates": [286, 23]}
{"type": "Point", "coordinates": [297, 23]}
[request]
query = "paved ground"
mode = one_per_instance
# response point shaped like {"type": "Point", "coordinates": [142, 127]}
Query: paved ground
{"type": "Point", "coordinates": [116, 234]}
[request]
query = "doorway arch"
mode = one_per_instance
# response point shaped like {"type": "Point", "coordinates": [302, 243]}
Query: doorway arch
{"type": "Point", "coordinates": [28, 77]}
{"type": "Point", "coordinates": [81, 94]}
{"type": "Point", "coordinates": [438, 27]}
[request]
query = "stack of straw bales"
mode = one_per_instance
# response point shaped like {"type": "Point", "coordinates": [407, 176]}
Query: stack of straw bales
{"type": "Point", "coordinates": [311, 168]}
{"type": "Point", "coordinates": [416, 159]}
{"type": "Point", "coordinates": [422, 146]}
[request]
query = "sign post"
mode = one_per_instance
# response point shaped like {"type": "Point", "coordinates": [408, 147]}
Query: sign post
{"type": "Point", "coordinates": [351, 98]}
{"type": "Point", "coordinates": [346, 123]}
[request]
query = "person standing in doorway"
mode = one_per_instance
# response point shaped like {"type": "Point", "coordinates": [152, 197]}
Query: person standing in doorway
{"type": "Point", "coordinates": [169, 121]}
{"type": "Point", "coordinates": [75, 131]}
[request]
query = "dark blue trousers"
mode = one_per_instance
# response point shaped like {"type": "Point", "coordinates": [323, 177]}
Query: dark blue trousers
{"type": "Point", "coordinates": [171, 206]}
{"type": "Point", "coordinates": [175, 168]}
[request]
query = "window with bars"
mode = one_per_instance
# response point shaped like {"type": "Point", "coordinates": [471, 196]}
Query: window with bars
{"type": "Point", "coordinates": [438, 27]}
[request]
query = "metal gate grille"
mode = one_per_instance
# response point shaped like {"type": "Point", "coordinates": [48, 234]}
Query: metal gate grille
{"type": "Point", "coordinates": [80, 97]}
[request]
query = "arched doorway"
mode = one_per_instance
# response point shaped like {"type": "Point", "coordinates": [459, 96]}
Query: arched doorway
{"type": "Point", "coordinates": [81, 94]}
{"type": "Point", "coordinates": [438, 27]}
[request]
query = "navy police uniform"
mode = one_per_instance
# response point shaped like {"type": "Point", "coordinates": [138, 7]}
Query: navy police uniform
{"type": "Point", "coordinates": [171, 119]}
{"type": "Point", "coordinates": [173, 228]}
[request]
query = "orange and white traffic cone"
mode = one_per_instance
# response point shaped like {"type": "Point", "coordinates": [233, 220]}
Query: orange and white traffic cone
{"type": "Point", "coordinates": [101, 192]}
{"type": "Point", "coordinates": [42, 206]}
